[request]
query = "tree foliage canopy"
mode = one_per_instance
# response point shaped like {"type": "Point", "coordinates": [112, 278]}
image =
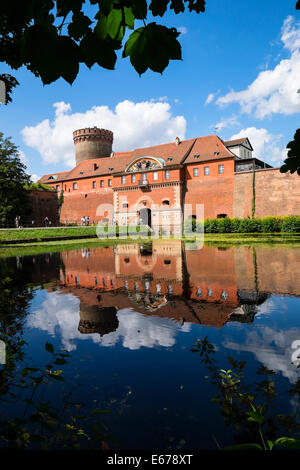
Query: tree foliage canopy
{"type": "Point", "coordinates": [52, 37]}
{"type": "Point", "coordinates": [13, 195]}
{"type": "Point", "coordinates": [292, 162]}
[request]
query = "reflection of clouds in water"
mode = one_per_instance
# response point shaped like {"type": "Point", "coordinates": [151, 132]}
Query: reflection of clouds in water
{"type": "Point", "coordinates": [272, 305]}
{"type": "Point", "coordinates": [59, 315]}
{"type": "Point", "coordinates": [153, 331]}
{"type": "Point", "coordinates": [272, 348]}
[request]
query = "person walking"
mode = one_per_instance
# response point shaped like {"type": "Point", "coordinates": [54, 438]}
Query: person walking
{"type": "Point", "coordinates": [46, 221]}
{"type": "Point", "coordinates": [18, 221]}
{"type": "Point", "coordinates": [88, 220]}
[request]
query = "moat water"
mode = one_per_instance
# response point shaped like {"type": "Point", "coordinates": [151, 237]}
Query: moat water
{"type": "Point", "coordinates": [130, 314]}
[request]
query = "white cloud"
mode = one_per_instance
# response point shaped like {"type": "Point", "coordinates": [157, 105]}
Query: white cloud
{"type": "Point", "coordinates": [59, 315]}
{"type": "Point", "coordinates": [210, 98]}
{"type": "Point", "coordinates": [290, 34]}
{"type": "Point", "coordinates": [274, 90]}
{"type": "Point", "coordinates": [182, 29]}
{"type": "Point", "coordinates": [134, 125]}
{"type": "Point", "coordinates": [271, 346]}
{"type": "Point", "coordinates": [35, 178]}
{"type": "Point", "coordinates": [228, 122]}
{"type": "Point", "coordinates": [266, 146]}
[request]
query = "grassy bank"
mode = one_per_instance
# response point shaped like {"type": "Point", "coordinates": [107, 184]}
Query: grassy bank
{"type": "Point", "coordinates": [33, 249]}
{"type": "Point", "coordinates": [38, 235]}
{"type": "Point", "coordinates": [218, 240]}
{"type": "Point", "coordinates": [251, 238]}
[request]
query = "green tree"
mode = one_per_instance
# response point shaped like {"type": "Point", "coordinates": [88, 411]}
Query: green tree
{"type": "Point", "coordinates": [292, 162]}
{"type": "Point", "coordinates": [13, 195]}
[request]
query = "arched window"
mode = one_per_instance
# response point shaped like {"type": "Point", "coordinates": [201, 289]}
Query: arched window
{"type": "Point", "coordinates": [166, 202]}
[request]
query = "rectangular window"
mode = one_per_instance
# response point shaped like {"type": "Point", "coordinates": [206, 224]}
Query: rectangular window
{"type": "Point", "coordinates": [196, 172]}
{"type": "Point", "coordinates": [57, 187]}
{"type": "Point", "coordinates": [206, 170]}
{"type": "Point", "coordinates": [155, 176]}
{"type": "Point", "coordinates": [123, 179]}
{"type": "Point", "coordinates": [109, 182]}
{"type": "Point", "coordinates": [94, 184]}
{"type": "Point", "coordinates": [101, 183]}
{"type": "Point", "coordinates": [75, 186]}
{"type": "Point", "coordinates": [220, 169]}
{"type": "Point", "coordinates": [133, 178]}
{"type": "Point", "coordinates": [167, 174]}
{"type": "Point", "coordinates": [144, 177]}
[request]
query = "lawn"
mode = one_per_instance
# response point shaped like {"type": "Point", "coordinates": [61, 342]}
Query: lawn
{"type": "Point", "coordinates": [11, 236]}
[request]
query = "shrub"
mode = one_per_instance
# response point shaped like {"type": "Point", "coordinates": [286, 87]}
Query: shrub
{"type": "Point", "coordinates": [271, 224]}
{"type": "Point", "coordinates": [290, 224]}
{"type": "Point", "coordinates": [235, 225]}
{"type": "Point", "coordinates": [224, 225]}
{"type": "Point", "coordinates": [211, 226]}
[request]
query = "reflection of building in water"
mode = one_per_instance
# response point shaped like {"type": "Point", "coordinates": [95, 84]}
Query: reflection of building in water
{"type": "Point", "coordinates": [210, 286]}
{"type": "Point", "coordinates": [94, 319]}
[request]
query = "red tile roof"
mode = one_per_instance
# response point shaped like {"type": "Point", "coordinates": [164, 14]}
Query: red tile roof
{"type": "Point", "coordinates": [208, 148]}
{"type": "Point", "coordinates": [231, 143]}
{"type": "Point", "coordinates": [171, 153]}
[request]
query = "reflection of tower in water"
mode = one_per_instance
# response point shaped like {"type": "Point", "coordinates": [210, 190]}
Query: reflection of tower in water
{"type": "Point", "coordinates": [94, 319]}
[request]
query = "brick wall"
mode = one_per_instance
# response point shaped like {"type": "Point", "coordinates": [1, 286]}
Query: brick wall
{"type": "Point", "coordinates": [80, 203]}
{"type": "Point", "coordinates": [215, 190]}
{"type": "Point", "coordinates": [44, 204]}
{"type": "Point", "coordinates": [275, 193]}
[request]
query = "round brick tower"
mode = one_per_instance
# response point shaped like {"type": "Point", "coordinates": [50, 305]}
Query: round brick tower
{"type": "Point", "coordinates": [92, 142]}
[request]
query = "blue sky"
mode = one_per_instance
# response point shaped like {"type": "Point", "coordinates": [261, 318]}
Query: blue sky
{"type": "Point", "coordinates": [240, 72]}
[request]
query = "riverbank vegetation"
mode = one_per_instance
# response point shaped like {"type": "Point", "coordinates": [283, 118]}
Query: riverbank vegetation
{"type": "Point", "coordinates": [284, 224]}
{"type": "Point", "coordinates": [11, 236]}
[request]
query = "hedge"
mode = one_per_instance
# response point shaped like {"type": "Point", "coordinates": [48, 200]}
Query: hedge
{"type": "Point", "coordinates": [286, 224]}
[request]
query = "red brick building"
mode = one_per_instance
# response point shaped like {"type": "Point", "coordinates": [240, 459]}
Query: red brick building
{"type": "Point", "coordinates": [152, 185]}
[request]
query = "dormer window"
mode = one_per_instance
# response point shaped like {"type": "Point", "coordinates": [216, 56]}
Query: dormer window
{"type": "Point", "coordinates": [169, 159]}
{"type": "Point", "coordinates": [197, 155]}
{"type": "Point", "coordinates": [216, 153]}
{"type": "Point", "coordinates": [95, 166]}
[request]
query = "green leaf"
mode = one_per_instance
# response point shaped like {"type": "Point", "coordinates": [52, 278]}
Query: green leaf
{"type": "Point", "coordinates": [49, 55]}
{"type": "Point", "coordinates": [152, 47]}
{"type": "Point", "coordinates": [59, 361]}
{"type": "Point", "coordinates": [105, 6]}
{"type": "Point", "coordinates": [252, 446]}
{"type": "Point", "coordinates": [255, 416]}
{"type": "Point", "coordinates": [288, 442]}
{"type": "Point", "coordinates": [271, 444]}
{"type": "Point", "coordinates": [114, 24]}
{"type": "Point", "coordinates": [139, 9]}
{"type": "Point", "coordinates": [49, 347]}
{"type": "Point", "coordinates": [79, 26]}
{"type": "Point", "coordinates": [29, 370]}
{"type": "Point", "coordinates": [159, 7]}
{"type": "Point", "coordinates": [95, 50]}
{"type": "Point", "coordinates": [65, 6]}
